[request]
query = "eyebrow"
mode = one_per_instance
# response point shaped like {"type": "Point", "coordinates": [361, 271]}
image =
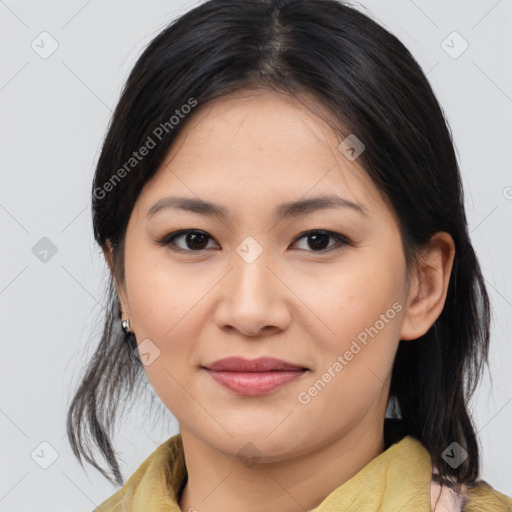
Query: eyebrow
{"type": "Point", "coordinates": [282, 211]}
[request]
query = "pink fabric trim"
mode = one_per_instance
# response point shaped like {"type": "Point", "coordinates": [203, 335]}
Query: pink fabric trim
{"type": "Point", "coordinates": [445, 499]}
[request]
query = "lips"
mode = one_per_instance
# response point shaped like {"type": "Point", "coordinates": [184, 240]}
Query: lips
{"type": "Point", "coordinates": [254, 377]}
{"type": "Point", "coordinates": [262, 364]}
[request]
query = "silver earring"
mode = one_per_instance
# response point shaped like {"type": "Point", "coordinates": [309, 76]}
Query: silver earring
{"type": "Point", "coordinates": [125, 324]}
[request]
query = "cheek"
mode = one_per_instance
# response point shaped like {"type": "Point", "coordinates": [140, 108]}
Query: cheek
{"type": "Point", "coordinates": [361, 308]}
{"type": "Point", "coordinates": [164, 306]}
{"type": "Point", "coordinates": [165, 302]}
{"type": "Point", "coordinates": [355, 298]}
{"type": "Point", "coordinates": [161, 294]}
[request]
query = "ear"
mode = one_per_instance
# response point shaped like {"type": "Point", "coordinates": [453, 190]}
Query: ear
{"type": "Point", "coordinates": [108, 253]}
{"type": "Point", "coordinates": [428, 286]}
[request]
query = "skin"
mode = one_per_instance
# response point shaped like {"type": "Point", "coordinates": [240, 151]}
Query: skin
{"type": "Point", "coordinates": [250, 152]}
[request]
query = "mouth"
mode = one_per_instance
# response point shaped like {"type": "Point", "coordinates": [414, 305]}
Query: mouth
{"type": "Point", "coordinates": [254, 377]}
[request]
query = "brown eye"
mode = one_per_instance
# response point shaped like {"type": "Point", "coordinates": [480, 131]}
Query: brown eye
{"type": "Point", "coordinates": [318, 240]}
{"type": "Point", "coordinates": [192, 240]}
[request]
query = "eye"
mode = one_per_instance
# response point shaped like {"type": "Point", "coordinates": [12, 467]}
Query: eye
{"type": "Point", "coordinates": [194, 240]}
{"type": "Point", "coordinates": [319, 240]}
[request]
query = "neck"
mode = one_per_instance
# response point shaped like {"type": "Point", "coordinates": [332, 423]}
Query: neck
{"type": "Point", "coordinates": [219, 482]}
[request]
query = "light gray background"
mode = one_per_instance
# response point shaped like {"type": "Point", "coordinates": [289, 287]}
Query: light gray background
{"type": "Point", "coordinates": [54, 114]}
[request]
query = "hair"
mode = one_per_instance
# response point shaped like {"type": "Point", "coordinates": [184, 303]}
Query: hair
{"type": "Point", "coordinates": [371, 86]}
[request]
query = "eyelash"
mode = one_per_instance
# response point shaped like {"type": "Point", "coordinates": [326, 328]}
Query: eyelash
{"type": "Point", "coordinates": [168, 240]}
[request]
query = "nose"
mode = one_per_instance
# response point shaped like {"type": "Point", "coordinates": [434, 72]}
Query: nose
{"type": "Point", "coordinates": [253, 299]}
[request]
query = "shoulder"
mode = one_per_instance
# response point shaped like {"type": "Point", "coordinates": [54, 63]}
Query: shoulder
{"type": "Point", "coordinates": [154, 482]}
{"type": "Point", "coordinates": [483, 498]}
{"type": "Point", "coordinates": [449, 495]}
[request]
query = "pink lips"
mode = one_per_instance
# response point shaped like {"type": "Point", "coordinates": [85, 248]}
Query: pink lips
{"type": "Point", "coordinates": [254, 377]}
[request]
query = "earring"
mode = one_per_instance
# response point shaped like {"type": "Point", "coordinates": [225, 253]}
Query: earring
{"type": "Point", "coordinates": [125, 324]}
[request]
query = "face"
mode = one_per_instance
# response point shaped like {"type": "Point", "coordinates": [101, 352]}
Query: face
{"type": "Point", "coordinates": [322, 288]}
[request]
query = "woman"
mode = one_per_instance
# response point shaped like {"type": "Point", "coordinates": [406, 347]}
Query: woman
{"type": "Point", "coordinates": [304, 375]}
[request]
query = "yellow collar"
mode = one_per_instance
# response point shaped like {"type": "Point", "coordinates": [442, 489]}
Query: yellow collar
{"type": "Point", "coordinates": [397, 479]}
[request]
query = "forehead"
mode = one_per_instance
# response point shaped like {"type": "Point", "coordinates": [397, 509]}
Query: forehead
{"type": "Point", "coordinates": [259, 145]}
{"type": "Point", "coordinates": [262, 122]}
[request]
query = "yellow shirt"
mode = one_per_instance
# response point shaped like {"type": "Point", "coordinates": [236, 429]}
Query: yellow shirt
{"type": "Point", "coordinates": [396, 480]}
